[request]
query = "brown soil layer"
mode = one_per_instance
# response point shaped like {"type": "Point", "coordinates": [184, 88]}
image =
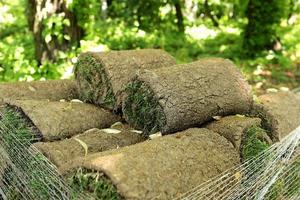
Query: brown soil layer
{"type": "Point", "coordinates": [52, 90]}
{"type": "Point", "coordinates": [101, 76]}
{"type": "Point", "coordinates": [233, 128]}
{"type": "Point", "coordinates": [188, 95]}
{"type": "Point", "coordinates": [280, 113]}
{"type": "Point", "coordinates": [59, 120]}
{"type": "Point", "coordinates": [163, 168]}
{"type": "Point", "coordinates": [91, 141]}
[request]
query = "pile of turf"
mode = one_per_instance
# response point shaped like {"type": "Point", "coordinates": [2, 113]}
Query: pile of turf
{"type": "Point", "coordinates": [280, 113]}
{"type": "Point", "coordinates": [183, 96]}
{"type": "Point", "coordinates": [52, 90]}
{"type": "Point", "coordinates": [161, 168]}
{"type": "Point", "coordinates": [101, 76]}
{"type": "Point", "coordinates": [58, 120]}
{"type": "Point", "coordinates": [91, 141]}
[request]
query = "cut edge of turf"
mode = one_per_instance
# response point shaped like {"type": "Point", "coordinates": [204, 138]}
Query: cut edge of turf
{"type": "Point", "coordinates": [14, 118]}
{"type": "Point", "coordinates": [142, 109]}
{"type": "Point", "coordinates": [266, 120]}
{"type": "Point", "coordinates": [253, 142]}
{"type": "Point", "coordinates": [95, 86]}
{"type": "Point", "coordinates": [92, 183]}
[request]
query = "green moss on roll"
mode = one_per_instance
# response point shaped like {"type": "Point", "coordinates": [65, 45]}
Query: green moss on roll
{"type": "Point", "coordinates": [93, 183]}
{"type": "Point", "coordinates": [254, 142]}
{"type": "Point", "coordinates": [86, 68]}
{"type": "Point", "coordinates": [142, 108]}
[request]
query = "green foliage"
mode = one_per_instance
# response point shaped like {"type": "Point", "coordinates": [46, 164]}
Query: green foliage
{"type": "Point", "coordinates": [264, 17]}
{"type": "Point", "coordinates": [253, 143]}
{"type": "Point", "coordinates": [94, 183]}
{"type": "Point", "coordinates": [212, 28]}
{"type": "Point", "coordinates": [54, 28]}
{"type": "Point", "coordinates": [87, 12]}
{"type": "Point", "coordinates": [143, 14]}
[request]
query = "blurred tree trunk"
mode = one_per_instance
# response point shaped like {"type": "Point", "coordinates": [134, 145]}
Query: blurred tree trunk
{"type": "Point", "coordinates": [179, 15]}
{"type": "Point", "coordinates": [47, 47]}
{"type": "Point", "coordinates": [207, 13]}
{"type": "Point", "coordinates": [109, 7]}
{"type": "Point", "coordinates": [261, 32]}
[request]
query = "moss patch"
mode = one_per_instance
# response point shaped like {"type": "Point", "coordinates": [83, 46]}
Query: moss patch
{"type": "Point", "coordinates": [93, 183]}
{"type": "Point", "coordinates": [95, 86]}
{"type": "Point", "coordinates": [142, 109]}
{"type": "Point", "coordinates": [253, 142]}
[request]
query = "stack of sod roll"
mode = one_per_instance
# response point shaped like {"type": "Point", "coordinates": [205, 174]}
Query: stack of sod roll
{"type": "Point", "coordinates": [101, 77]}
{"type": "Point", "coordinates": [96, 129]}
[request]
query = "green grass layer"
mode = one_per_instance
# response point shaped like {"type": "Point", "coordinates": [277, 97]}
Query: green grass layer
{"type": "Point", "coordinates": [95, 83]}
{"type": "Point", "coordinates": [142, 109]}
{"type": "Point", "coordinates": [253, 142]}
{"type": "Point", "coordinates": [95, 184]}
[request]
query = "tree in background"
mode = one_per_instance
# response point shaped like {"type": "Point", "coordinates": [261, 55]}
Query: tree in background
{"type": "Point", "coordinates": [179, 15]}
{"type": "Point", "coordinates": [54, 27]}
{"type": "Point", "coordinates": [44, 42]}
{"type": "Point", "coordinates": [263, 19]}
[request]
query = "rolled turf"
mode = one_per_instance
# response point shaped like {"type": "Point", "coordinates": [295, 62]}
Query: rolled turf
{"type": "Point", "coordinates": [59, 120]}
{"type": "Point", "coordinates": [91, 141]}
{"type": "Point", "coordinates": [183, 96]}
{"type": "Point", "coordinates": [163, 168]}
{"type": "Point", "coordinates": [280, 113]}
{"type": "Point", "coordinates": [101, 76]}
{"type": "Point", "coordinates": [52, 90]}
{"type": "Point", "coordinates": [234, 128]}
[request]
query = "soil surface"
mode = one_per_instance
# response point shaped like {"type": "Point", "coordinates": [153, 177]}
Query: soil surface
{"type": "Point", "coordinates": [59, 120]}
{"type": "Point", "coordinates": [52, 90]}
{"type": "Point", "coordinates": [91, 141]}
{"type": "Point", "coordinates": [280, 113]}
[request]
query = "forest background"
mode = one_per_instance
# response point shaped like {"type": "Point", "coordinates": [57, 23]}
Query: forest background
{"type": "Point", "coordinates": [41, 39]}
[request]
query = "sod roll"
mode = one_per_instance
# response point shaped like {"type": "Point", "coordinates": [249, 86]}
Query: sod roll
{"type": "Point", "coordinates": [234, 128]}
{"type": "Point", "coordinates": [91, 141]}
{"type": "Point", "coordinates": [280, 113]}
{"type": "Point", "coordinates": [58, 120]}
{"type": "Point", "coordinates": [182, 96]}
{"type": "Point", "coordinates": [163, 168]}
{"type": "Point", "coordinates": [101, 76]}
{"type": "Point", "coordinates": [52, 90]}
